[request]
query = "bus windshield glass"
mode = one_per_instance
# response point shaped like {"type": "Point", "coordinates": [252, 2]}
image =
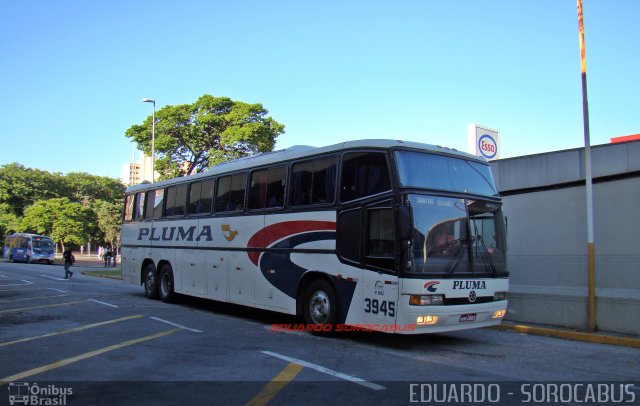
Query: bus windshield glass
{"type": "Point", "coordinates": [437, 172]}
{"type": "Point", "coordinates": [44, 245]}
{"type": "Point", "coordinates": [453, 237]}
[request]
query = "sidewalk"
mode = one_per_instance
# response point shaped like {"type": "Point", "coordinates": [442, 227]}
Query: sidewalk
{"type": "Point", "coordinates": [88, 261]}
{"type": "Point", "coordinates": [599, 337]}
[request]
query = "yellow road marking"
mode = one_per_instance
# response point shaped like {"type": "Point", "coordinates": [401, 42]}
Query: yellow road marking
{"type": "Point", "coordinates": [30, 298]}
{"type": "Point", "coordinates": [42, 307]}
{"type": "Point", "coordinates": [67, 361]}
{"type": "Point", "coordinates": [72, 330]}
{"type": "Point", "coordinates": [271, 389]}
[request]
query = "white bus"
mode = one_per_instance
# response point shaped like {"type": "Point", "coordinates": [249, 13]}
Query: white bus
{"type": "Point", "coordinates": [24, 247]}
{"type": "Point", "coordinates": [386, 235]}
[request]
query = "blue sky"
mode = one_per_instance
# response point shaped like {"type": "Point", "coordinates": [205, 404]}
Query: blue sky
{"type": "Point", "coordinates": [73, 73]}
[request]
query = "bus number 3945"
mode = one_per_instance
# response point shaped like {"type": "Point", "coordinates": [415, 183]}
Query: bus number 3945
{"type": "Point", "coordinates": [376, 306]}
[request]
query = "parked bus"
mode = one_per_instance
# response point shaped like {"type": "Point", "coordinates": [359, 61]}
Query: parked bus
{"type": "Point", "coordinates": [22, 247]}
{"type": "Point", "coordinates": [389, 235]}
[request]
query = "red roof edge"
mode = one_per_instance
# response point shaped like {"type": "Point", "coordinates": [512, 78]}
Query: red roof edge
{"type": "Point", "coordinates": [632, 137]}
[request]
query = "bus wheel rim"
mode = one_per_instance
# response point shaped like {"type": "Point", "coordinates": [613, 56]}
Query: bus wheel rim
{"type": "Point", "coordinates": [165, 284]}
{"type": "Point", "coordinates": [149, 282]}
{"type": "Point", "coordinates": [320, 307]}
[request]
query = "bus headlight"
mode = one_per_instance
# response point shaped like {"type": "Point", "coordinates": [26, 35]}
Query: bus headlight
{"type": "Point", "coordinates": [425, 300]}
{"type": "Point", "coordinates": [499, 313]}
{"type": "Point", "coordinates": [499, 296]}
{"type": "Point", "coordinates": [423, 320]}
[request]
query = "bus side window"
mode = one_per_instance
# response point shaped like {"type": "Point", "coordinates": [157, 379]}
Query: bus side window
{"type": "Point", "coordinates": [176, 200]}
{"type": "Point", "coordinates": [230, 196]}
{"type": "Point", "coordinates": [206, 197]}
{"type": "Point", "coordinates": [349, 238]}
{"type": "Point", "coordinates": [201, 197]}
{"type": "Point", "coordinates": [180, 200]}
{"type": "Point", "coordinates": [275, 187]}
{"type": "Point", "coordinates": [128, 208]}
{"type": "Point", "coordinates": [258, 189]}
{"type": "Point", "coordinates": [364, 174]}
{"type": "Point", "coordinates": [324, 180]}
{"type": "Point", "coordinates": [139, 206]}
{"type": "Point", "coordinates": [380, 238]}
{"type": "Point", "coordinates": [238, 186]}
{"type": "Point", "coordinates": [224, 193]}
{"type": "Point", "coordinates": [301, 183]}
{"type": "Point", "coordinates": [153, 209]}
{"type": "Point", "coordinates": [169, 209]}
{"type": "Point", "coordinates": [313, 182]}
{"type": "Point", "coordinates": [267, 188]}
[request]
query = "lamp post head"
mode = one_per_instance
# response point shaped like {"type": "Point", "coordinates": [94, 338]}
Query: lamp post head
{"type": "Point", "coordinates": [145, 100]}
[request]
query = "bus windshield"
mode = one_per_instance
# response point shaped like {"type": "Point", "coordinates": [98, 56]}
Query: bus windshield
{"type": "Point", "coordinates": [437, 172]}
{"type": "Point", "coordinates": [44, 245]}
{"type": "Point", "coordinates": [453, 236]}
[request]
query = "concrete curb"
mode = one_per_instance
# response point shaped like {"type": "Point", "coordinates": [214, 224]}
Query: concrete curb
{"type": "Point", "coordinates": [85, 272]}
{"type": "Point", "coordinates": [598, 338]}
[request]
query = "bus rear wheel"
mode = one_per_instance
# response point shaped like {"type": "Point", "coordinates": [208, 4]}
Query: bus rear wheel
{"type": "Point", "coordinates": [167, 293]}
{"type": "Point", "coordinates": [320, 304]}
{"type": "Point", "coordinates": [150, 282]}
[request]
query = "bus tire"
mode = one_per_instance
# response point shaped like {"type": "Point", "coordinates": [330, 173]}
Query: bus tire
{"type": "Point", "coordinates": [320, 306]}
{"type": "Point", "coordinates": [165, 285]}
{"type": "Point", "coordinates": [150, 281]}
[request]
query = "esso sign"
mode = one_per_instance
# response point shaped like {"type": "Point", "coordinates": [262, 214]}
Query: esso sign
{"type": "Point", "coordinates": [487, 146]}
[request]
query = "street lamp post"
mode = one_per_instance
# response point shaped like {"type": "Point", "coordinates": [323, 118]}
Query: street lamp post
{"type": "Point", "coordinates": [153, 138]}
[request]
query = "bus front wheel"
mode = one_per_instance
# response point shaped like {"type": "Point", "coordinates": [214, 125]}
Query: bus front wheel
{"type": "Point", "coordinates": [150, 282]}
{"type": "Point", "coordinates": [167, 293]}
{"type": "Point", "coordinates": [320, 304]}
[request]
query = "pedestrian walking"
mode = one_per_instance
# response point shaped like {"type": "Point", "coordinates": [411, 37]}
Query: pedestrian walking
{"type": "Point", "coordinates": [107, 258]}
{"type": "Point", "coordinates": [69, 259]}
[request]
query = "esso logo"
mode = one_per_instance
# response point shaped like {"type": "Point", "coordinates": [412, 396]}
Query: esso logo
{"type": "Point", "coordinates": [487, 146]}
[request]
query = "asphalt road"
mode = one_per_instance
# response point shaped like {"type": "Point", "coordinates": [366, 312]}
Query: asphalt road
{"type": "Point", "coordinates": [92, 340]}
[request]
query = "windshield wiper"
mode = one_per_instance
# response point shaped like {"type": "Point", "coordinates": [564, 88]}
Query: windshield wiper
{"type": "Point", "coordinates": [487, 261]}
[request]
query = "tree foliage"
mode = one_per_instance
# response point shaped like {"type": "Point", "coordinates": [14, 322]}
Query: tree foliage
{"type": "Point", "coordinates": [82, 186]}
{"type": "Point", "coordinates": [190, 138]}
{"type": "Point", "coordinates": [64, 221]}
{"type": "Point", "coordinates": [20, 187]}
{"type": "Point", "coordinates": [9, 222]}
{"type": "Point", "coordinates": [64, 207]}
{"type": "Point", "coordinates": [108, 220]}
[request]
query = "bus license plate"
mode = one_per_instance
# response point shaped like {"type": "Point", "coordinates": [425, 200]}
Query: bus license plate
{"type": "Point", "coordinates": [467, 317]}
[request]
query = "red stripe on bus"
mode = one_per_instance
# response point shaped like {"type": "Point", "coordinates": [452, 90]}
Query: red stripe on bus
{"type": "Point", "coordinates": [278, 231]}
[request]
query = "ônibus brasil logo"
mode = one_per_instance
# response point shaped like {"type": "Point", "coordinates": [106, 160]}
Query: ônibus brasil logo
{"type": "Point", "coordinates": [431, 286]}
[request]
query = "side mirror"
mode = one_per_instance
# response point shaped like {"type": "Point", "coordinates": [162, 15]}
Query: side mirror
{"type": "Point", "coordinates": [405, 223]}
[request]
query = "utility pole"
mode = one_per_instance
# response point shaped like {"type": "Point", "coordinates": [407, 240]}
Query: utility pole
{"type": "Point", "coordinates": [591, 263]}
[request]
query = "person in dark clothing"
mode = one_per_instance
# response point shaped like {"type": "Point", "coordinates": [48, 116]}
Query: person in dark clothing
{"type": "Point", "coordinates": [107, 257]}
{"type": "Point", "coordinates": [69, 259]}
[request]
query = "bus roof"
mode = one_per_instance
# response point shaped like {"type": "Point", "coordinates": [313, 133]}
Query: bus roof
{"type": "Point", "coordinates": [28, 235]}
{"type": "Point", "coordinates": [302, 151]}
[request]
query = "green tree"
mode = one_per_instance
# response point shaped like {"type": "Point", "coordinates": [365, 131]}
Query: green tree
{"type": "Point", "coordinates": [64, 221]}
{"type": "Point", "coordinates": [20, 187]}
{"type": "Point", "coordinates": [190, 138]}
{"type": "Point", "coordinates": [109, 220]}
{"type": "Point", "coordinates": [9, 222]}
{"type": "Point", "coordinates": [82, 186]}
